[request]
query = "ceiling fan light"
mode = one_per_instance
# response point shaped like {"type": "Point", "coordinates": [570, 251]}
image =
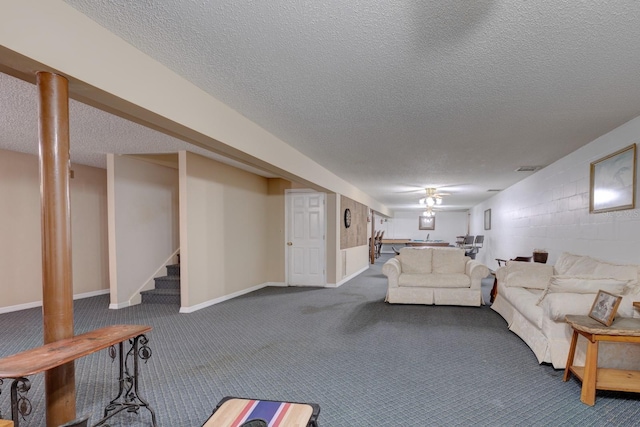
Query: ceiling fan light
{"type": "Point", "coordinates": [439, 201]}
{"type": "Point", "coordinates": [430, 201]}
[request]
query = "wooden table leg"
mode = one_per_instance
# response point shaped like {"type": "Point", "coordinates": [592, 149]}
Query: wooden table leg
{"type": "Point", "coordinates": [588, 393]}
{"type": "Point", "coordinates": [494, 290]}
{"type": "Point", "coordinates": [572, 353]}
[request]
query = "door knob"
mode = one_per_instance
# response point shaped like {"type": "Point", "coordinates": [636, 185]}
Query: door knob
{"type": "Point", "coordinates": [289, 243]}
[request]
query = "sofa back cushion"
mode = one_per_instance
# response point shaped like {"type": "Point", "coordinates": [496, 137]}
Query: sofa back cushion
{"type": "Point", "coordinates": [579, 265]}
{"type": "Point", "coordinates": [531, 275]}
{"type": "Point", "coordinates": [575, 265]}
{"type": "Point", "coordinates": [447, 261]}
{"type": "Point", "coordinates": [415, 260]}
{"type": "Point", "coordinates": [585, 284]}
{"type": "Point", "coordinates": [620, 272]}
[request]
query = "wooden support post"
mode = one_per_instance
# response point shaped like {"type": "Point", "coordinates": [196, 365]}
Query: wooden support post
{"type": "Point", "coordinates": [372, 244]}
{"type": "Point", "coordinates": [57, 286]}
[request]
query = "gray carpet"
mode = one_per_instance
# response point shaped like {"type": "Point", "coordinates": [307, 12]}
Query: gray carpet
{"type": "Point", "coordinates": [366, 363]}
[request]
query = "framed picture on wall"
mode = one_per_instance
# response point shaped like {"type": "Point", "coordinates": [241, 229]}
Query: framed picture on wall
{"type": "Point", "coordinates": [487, 219]}
{"type": "Point", "coordinates": [613, 181]}
{"type": "Point", "coordinates": [426, 222]}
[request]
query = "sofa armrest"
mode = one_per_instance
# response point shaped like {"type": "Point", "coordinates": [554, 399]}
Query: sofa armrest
{"type": "Point", "coordinates": [392, 270]}
{"type": "Point", "coordinates": [501, 274]}
{"type": "Point", "coordinates": [476, 271]}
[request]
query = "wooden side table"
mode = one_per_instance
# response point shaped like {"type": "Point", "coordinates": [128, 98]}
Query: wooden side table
{"type": "Point", "coordinates": [593, 378]}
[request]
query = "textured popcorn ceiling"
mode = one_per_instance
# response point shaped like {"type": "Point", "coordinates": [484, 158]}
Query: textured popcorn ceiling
{"type": "Point", "coordinates": [396, 95]}
{"type": "Point", "coordinates": [93, 133]}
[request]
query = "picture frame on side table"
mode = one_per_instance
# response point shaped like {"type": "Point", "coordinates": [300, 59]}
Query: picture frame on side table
{"type": "Point", "coordinates": [487, 219]}
{"type": "Point", "coordinates": [613, 181]}
{"type": "Point", "coordinates": [604, 307]}
{"type": "Point", "coordinates": [426, 222]}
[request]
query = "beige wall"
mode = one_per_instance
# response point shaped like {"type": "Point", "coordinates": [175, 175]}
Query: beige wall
{"type": "Point", "coordinates": [276, 229]}
{"type": "Point", "coordinates": [20, 231]}
{"type": "Point", "coordinates": [145, 227]}
{"type": "Point", "coordinates": [334, 255]}
{"type": "Point", "coordinates": [224, 240]}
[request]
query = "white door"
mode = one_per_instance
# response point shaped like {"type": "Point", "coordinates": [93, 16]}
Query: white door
{"type": "Point", "coordinates": [305, 239]}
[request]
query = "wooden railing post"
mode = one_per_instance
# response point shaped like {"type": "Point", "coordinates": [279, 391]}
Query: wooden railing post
{"type": "Point", "coordinates": [57, 286]}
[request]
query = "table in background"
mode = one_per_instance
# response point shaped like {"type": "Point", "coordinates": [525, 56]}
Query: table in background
{"type": "Point", "coordinates": [623, 329]}
{"type": "Point", "coordinates": [395, 241]}
{"type": "Point", "coordinates": [436, 243]}
{"type": "Point", "coordinates": [409, 242]}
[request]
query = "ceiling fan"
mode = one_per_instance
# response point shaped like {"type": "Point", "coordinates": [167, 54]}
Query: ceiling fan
{"type": "Point", "coordinates": [432, 197]}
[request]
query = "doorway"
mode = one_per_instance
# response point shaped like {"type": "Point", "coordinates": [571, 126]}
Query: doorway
{"type": "Point", "coordinates": [305, 237]}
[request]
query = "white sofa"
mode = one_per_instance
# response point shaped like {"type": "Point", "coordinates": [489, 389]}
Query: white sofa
{"type": "Point", "coordinates": [535, 298]}
{"type": "Point", "coordinates": [441, 276]}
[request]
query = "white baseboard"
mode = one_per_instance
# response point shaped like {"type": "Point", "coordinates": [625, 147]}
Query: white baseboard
{"type": "Point", "coordinates": [19, 307]}
{"type": "Point", "coordinates": [215, 301]}
{"type": "Point", "coordinates": [276, 284]}
{"type": "Point", "coordinates": [346, 279]}
{"type": "Point", "coordinates": [91, 294]}
{"type": "Point", "coordinates": [120, 305]}
{"type": "Point", "coordinates": [35, 304]}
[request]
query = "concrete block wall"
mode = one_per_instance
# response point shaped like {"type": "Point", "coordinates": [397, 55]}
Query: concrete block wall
{"type": "Point", "coordinates": [550, 210]}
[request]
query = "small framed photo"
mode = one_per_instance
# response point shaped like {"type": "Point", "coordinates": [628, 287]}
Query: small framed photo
{"type": "Point", "coordinates": [487, 219]}
{"type": "Point", "coordinates": [426, 222]}
{"type": "Point", "coordinates": [613, 181]}
{"type": "Point", "coordinates": [604, 307]}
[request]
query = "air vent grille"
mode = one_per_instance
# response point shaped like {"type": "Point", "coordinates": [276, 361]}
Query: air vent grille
{"type": "Point", "coordinates": [528, 168]}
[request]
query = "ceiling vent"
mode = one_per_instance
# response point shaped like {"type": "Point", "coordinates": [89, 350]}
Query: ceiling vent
{"type": "Point", "coordinates": [493, 190]}
{"type": "Point", "coordinates": [528, 168]}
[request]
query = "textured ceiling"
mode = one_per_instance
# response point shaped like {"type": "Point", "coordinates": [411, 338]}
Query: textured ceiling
{"type": "Point", "coordinates": [93, 133]}
{"type": "Point", "coordinates": [397, 96]}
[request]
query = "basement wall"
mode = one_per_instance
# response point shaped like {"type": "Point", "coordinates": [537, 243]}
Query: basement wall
{"type": "Point", "coordinates": [20, 231]}
{"type": "Point", "coordinates": [224, 237]}
{"type": "Point", "coordinates": [550, 210]}
{"type": "Point", "coordinates": [144, 227]}
{"type": "Point", "coordinates": [404, 225]}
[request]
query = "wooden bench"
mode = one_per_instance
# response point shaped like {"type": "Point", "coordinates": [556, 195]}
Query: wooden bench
{"type": "Point", "coordinates": [49, 356]}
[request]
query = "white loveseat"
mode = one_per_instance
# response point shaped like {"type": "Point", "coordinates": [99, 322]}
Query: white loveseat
{"type": "Point", "coordinates": [442, 276]}
{"type": "Point", "coordinates": [535, 298]}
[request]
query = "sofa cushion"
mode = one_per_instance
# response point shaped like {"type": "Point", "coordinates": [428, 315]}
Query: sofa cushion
{"type": "Point", "coordinates": [528, 275]}
{"type": "Point", "coordinates": [628, 273]}
{"type": "Point", "coordinates": [415, 260]}
{"type": "Point", "coordinates": [449, 261]}
{"type": "Point", "coordinates": [557, 306]}
{"type": "Point", "coordinates": [578, 265]}
{"type": "Point", "coordinates": [575, 265]}
{"type": "Point", "coordinates": [435, 280]}
{"type": "Point", "coordinates": [583, 285]}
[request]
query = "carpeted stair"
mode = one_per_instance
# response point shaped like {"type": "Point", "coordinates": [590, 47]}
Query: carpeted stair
{"type": "Point", "coordinates": [167, 290]}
